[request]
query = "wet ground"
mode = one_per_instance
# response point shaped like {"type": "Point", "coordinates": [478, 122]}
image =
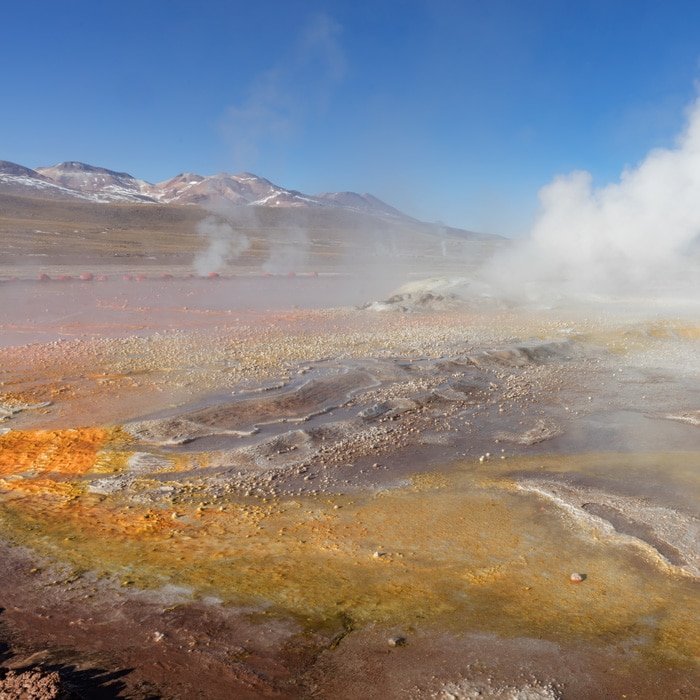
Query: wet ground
{"type": "Point", "coordinates": [204, 497]}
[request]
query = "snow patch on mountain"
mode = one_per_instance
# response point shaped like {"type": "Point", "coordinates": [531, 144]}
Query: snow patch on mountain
{"type": "Point", "coordinates": [106, 184]}
{"type": "Point", "coordinates": [75, 180]}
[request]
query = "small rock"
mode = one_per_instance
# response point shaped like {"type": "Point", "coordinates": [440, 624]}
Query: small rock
{"type": "Point", "coordinates": [577, 578]}
{"type": "Point", "coordinates": [397, 641]}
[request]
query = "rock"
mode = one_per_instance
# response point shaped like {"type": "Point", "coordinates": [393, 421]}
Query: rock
{"type": "Point", "coordinates": [397, 641]}
{"type": "Point", "coordinates": [32, 684]}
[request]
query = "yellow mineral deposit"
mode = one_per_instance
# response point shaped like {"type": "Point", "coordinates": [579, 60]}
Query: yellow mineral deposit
{"type": "Point", "coordinates": [456, 549]}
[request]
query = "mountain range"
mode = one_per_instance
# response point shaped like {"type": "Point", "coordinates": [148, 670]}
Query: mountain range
{"type": "Point", "coordinates": [78, 181]}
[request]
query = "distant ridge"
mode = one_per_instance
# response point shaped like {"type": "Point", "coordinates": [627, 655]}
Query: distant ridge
{"type": "Point", "coordinates": [361, 202]}
{"type": "Point", "coordinates": [108, 185]}
{"type": "Point", "coordinates": [8, 168]}
{"type": "Point", "coordinates": [75, 180]}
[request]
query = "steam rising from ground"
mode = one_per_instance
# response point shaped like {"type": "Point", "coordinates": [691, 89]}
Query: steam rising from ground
{"type": "Point", "coordinates": [288, 255]}
{"type": "Point", "coordinates": [640, 235]}
{"type": "Point", "coordinates": [637, 236]}
{"type": "Point", "coordinates": [223, 244]}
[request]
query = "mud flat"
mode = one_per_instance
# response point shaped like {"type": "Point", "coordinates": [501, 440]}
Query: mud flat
{"type": "Point", "coordinates": [208, 499]}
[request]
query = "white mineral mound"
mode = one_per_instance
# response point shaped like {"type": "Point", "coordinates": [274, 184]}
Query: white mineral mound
{"type": "Point", "coordinates": [434, 294]}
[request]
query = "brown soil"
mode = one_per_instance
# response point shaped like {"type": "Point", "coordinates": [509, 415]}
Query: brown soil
{"type": "Point", "coordinates": [71, 237]}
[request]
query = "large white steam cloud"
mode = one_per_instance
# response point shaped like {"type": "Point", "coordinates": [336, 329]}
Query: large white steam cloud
{"type": "Point", "coordinates": [642, 232]}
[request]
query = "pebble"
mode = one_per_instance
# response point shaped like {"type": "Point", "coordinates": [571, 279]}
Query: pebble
{"type": "Point", "coordinates": [397, 641]}
{"type": "Point", "coordinates": [577, 578]}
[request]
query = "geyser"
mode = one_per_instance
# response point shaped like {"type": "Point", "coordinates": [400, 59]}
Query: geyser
{"type": "Point", "coordinates": [640, 235]}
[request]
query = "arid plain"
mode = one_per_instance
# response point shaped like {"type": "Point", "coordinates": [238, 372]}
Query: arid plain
{"type": "Point", "coordinates": [292, 481]}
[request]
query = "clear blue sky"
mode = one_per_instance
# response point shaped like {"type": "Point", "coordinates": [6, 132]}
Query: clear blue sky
{"type": "Point", "coordinates": [449, 110]}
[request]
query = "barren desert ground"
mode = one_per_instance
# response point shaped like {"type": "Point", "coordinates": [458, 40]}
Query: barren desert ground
{"type": "Point", "coordinates": [269, 487]}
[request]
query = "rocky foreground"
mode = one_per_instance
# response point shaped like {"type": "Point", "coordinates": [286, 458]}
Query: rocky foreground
{"type": "Point", "coordinates": [423, 499]}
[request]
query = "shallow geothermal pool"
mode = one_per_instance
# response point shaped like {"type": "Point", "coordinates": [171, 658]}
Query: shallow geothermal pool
{"type": "Point", "coordinates": [300, 503]}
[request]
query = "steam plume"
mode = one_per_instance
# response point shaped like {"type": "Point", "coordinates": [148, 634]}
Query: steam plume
{"type": "Point", "coordinates": [281, 98]}
{"type": "Point", "coordinates": [288, 255]}
{"type": "Point", "coordinates": [224, 244]}
{"type": "Point", "coordinates": [642, 230]}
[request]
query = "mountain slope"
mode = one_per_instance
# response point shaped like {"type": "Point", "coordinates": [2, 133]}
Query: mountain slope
{"type": "Point", "coordinates": [242, 189]}
{"type": "Point", "coordinates": [18, 180]}
{"type": "Point", "coordinates": [89, 179]}
{"type": "Point", "coordinates": [75, 180]}
{"type": "Point", "coordinates": [361, 202]}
